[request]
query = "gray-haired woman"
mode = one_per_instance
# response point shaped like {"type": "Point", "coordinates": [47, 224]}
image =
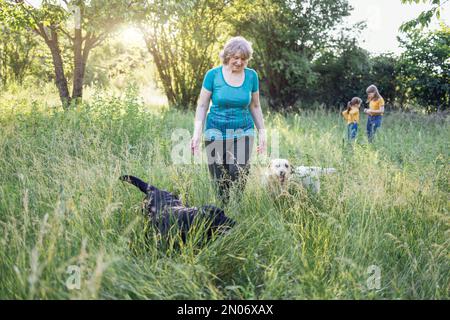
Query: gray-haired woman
{"type": "Point", "coordinates": [229, 133]}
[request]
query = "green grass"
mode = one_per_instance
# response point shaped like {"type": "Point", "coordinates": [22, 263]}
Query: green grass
{"type": "Point", "coordinates": [61, 204]}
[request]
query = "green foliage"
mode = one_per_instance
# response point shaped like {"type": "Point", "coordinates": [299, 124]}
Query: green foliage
{"type": "Point", "coordinates": [16, 54]}
{"type": "Point", "coordinates": [425, 17]}
{"type": "Point", "coordinates": [89, 24]}
{"type": "Point", "coordinates": [347, 70]}
{"type": "Point", "coordinates": [342, 74]}
{"type": "Point", "coordinates": [302, 53]}
{"type": "Point", "coordinates": [17, 15]}
{"type": "Point", "coordinates": [384, 75]}
{"type": "Point", "coordinates": [424, 68]}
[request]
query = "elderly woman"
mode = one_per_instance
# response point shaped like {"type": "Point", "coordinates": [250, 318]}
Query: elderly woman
{"type": "Point", "coordinates": [229, 134]}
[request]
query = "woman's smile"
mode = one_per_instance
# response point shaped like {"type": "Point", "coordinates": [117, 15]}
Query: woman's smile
{"type": "Point", "coordinates": [237, 63]}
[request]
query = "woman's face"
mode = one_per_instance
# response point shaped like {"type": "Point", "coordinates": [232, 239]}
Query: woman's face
{"type": "Point", "coordinates": [370, 95]}
{"type": "Point", "coordinates": [237, 62]}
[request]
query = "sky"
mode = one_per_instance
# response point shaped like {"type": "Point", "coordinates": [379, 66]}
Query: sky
{"type": "Point", "coordinates": [383, 19]}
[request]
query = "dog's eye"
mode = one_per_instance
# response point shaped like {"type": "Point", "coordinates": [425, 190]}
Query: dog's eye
{"type": "Point", "coordinates": [286, 165]}
{"type": "Point", "coordinates": [277, 165]}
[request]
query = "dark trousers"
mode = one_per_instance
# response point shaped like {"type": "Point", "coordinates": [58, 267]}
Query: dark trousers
{"type": "Point", "coordinates": [228, 163]}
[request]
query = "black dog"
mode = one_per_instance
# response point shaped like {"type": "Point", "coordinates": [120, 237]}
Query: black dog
{"type": "Point", "coordinates": [164, 210]}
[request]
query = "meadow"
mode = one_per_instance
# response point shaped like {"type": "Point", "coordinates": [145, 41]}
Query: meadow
{"type": "Point", "coordinates": [63, 207]}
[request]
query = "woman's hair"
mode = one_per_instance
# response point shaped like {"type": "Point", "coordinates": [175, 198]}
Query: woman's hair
{"type": "Point", "coordinates": [373, 89]}
{"type": "Point", "coordinates": [236, 45]}
{"type": "Point", "coordinates": [354, 101]}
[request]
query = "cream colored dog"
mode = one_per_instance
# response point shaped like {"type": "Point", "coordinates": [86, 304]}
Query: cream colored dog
{"type": "Point", "coordinates": [277, 175]}
{"type": "Point", "coordinates": [280, 172]}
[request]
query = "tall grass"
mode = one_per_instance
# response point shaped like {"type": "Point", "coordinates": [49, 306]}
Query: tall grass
{"type": "Point", "coordinates": [61, 205]}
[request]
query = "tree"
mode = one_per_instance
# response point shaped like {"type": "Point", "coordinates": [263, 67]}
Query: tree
{"type": "Point", "coordinates": [384, 75]}
{"type": "Point", "coordinates": [424, 68]}
{"type": "Point", "coordinates": [183, 38]}
{"type": "Point", "coordinates": [287, 34]}
{"type": "Point", "coordinates": [92, 22]}
{"type": "Point", "coordinates": [343, 72]}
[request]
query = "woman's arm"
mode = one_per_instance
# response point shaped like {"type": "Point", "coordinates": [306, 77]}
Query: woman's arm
{"type": "Point", "coordinates": [200, 115]}
{"type": "Point", "coordinates": [256, 111]}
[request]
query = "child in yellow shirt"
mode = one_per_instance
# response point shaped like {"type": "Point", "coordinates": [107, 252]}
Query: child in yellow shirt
{"type": "Point", "coordinates": [351, 114]}
{"type": "Point", "coordinates": [375, 111]}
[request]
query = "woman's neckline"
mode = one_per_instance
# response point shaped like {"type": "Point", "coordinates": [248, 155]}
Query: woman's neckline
{"type": "Point", "coordinates": [223, 77]}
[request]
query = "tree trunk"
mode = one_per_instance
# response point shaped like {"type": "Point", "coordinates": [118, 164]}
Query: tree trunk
{"type": "Point", "coordinates": [77, 90]}
{"type": "Point", "coordinates": [60, 78]}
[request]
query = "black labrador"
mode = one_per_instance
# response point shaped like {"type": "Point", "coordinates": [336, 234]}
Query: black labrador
{"type": "Point", "coordinates": [165, 211]}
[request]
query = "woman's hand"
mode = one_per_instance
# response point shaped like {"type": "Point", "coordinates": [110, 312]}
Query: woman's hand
{"type": "Point", "coordinates": [255, 109]}
{"type": "Point", "coordinates": [200, 115]}
{"type": "Point", "coordinates": [262, 143]}
{"type": "Point", "coordinates": [195, 144]}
